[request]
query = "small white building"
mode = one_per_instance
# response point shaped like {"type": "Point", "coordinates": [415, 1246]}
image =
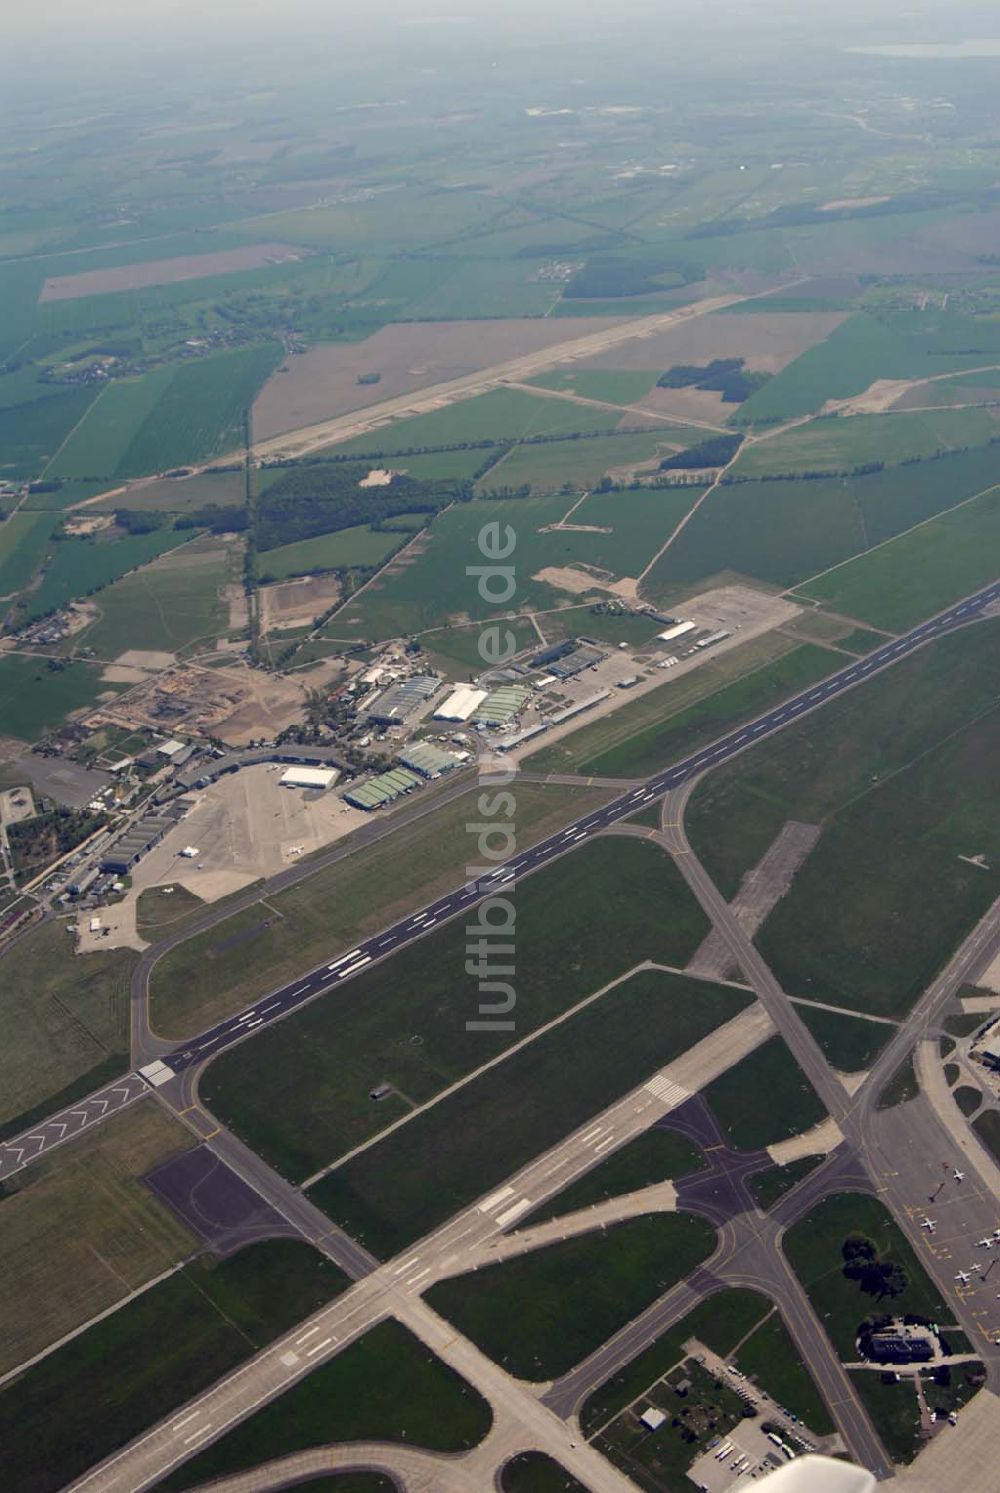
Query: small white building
{"type": "Point", "coordinates": [653, 1419]}
{"type": "Point", "coordinates": [309, 777]}
{"type": "Point", "coordinates": [460, 704]}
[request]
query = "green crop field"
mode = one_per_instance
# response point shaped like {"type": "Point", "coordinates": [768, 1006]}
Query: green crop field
{"type": "Point", "coordinates": [385, 1387]}
{"type": "Point", "coordinates": [180, 494]}
{"type": "Point", "coordinates": [220, 1313]}
{"type": "Point", "coordinates": [361, 545]}
{"type": "Point", "coordinates": [502, 414]}
{"type": "Point", "coordinates": [654, 1156]}
{"type": "Point", "coordinates": [31, 434]}
{"type": "Point", "coordinates": [867, 347]}
{"type": "Point", "coordinates": [168, 606]}
{"type": "Point", "coordinates": [902, 774]}
{"type": "Point", "coordinates": [24, 539]}
{"type": "Point", "coordinates": [411, 1181]}
{"type": "Point", "coordinates": [921, 572]}
{"type": "Point", "coordinates": [80, 1230]}
{"type": "Point", "coordinates": [305, 1114]}
{"type": "Point", "coordinates": [435, 586]}
{"type": "Point", "coordinates": [833, 445]}
{"type": "Point", "coordinates": [638, 729]}
{"type": "Point", "coordinates": [216, 973]}
{"type": "Point", "coordinates": [168, 418]}
{"type": "Point", "coordinates": [37, 695]}
{"type": "Point", "coordinates": [66, 1019]}
{"type": "Point", "coordinates": [785, 531]}
{"type": "Point", "coordinates": [97, 447]}
{"type": "Point", "coordinates": [539, 1314]}
{"type": "Point", "coordinates": [553, 465]}
{"type": "Point", "coordinates": [764, 1098]}
{"type": "Point", "coordinates": [81, 566]}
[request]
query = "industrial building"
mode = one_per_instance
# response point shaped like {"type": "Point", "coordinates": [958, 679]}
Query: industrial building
{"type": "Point", "coordinates": [501, 705]}
{"type": "Point", "coordinates": [403, 699]}
{"type": "Point", "coordinates": [678, 630]}
{"type": "Point", "coordinates": [383, 789]}
{"type": "Point", "coordinates": [309, 777]}
{"type": "Point", "coordinates": [713, 638]}
{"type": "Point", "coordinates": [900, 1347]}
{"type": "Point", "coordinates": [139, 840]}
{"type": "Point", "coordinates": [582, 657]}
{"type": "Point", "coordinates": [989, 1051]}
{"type": "Point", "coordinates": [460, 704]}
{"type": "Point", "coordinates": [430, 761]}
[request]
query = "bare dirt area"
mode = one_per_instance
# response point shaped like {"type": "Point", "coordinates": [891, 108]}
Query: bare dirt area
{"type": "Point", "coordinates": [245, 827]}
{"type": "Point", "coordinates": [297, 603]}
{"type": "Point", "coordinates": [323, 382]}
{"type": "Point", "coordinates": [167, 271]}
{"type": "Point", "coordinates": [686, 404]}
{"type": "Point", "coordinates": [578, 582]}
{"type": "Point", "coordinates": [768, 341]}
{"type": "Point", "coordinates": [235, 703]}
{"type": "Point", "coordinates": [150, 659]}
{"type": "Point", "coordinates": [840, 203]}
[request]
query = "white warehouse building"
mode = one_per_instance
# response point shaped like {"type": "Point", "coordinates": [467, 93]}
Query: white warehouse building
{"type": "Point", "coordinates": [461, 704]}
{"type": "Point", "coordinates": [309, 777]}
{"type": "Point", "coordinates": [678, 630]}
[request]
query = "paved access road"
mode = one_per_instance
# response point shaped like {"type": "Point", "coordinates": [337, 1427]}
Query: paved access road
{"type": "Point", "coordinates": [297, 992]}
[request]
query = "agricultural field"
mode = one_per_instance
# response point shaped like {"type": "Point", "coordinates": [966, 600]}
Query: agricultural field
{"type": "Point", "coordinates": [78, 567]}
{"type": "Point", "coordinates": [386, 1386]}
{"type": "Point", "coordinates": [179, 495]}
{"type": "Point", "coordinates": [24, 538]}
{"type": "Point", "coordinates": [643, 726]}
{"type": "Point", "coordinates": [323, 383]}
{"type": "Point", "coordinates": [764, 1098]}
{"type": "Point", "coordinates": [132, 277]}
{"type": "Point", "coordinates": [80, 1231]}
{"type": "Point", "coordinates": [910, 790]}
{"type": "Point", "coordinates": [556, 465]}
{"type": "Point", "coordinates": [303, 1112]}
{"type": "Point", "coordinates": [216, 973]}
{"type": "Point", "coordinates": [168, 606]}
{"type": "Point", "coordinates": [433, 587]}
{"type": "Point", "coordinates": [871, 346]}
{"type": "Point", "coordinates": [502, 414]}
{"type": "Point", "coordinates": [37, 694]}
{"type": "Point", "coordinates": [539, 1314]}
{"type": "Point", "coordinates": [67, 1023]}
{"type": "Point", "coordinates": [835, 445]}
{"type": "Point", "coordinates": [31, 434]}
{"type": "Point", "coordinates": [920, 572]}
{"type": "Point", "coordinates": [360, 546]}
{"type": "Point", "coordinates": [220, 1313]}
{"type": "Point", "coordinates": [412, 1180]}
{"type": "Point", "coordinates": [168, 418]}
{"type": "Point", "coordinates": [782, 532]}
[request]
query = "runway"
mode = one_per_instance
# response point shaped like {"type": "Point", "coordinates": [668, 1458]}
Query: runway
{"type": "Point", "coordinates": [297, 992]}
{"type": "Point", "coordinates": [22, 1150]}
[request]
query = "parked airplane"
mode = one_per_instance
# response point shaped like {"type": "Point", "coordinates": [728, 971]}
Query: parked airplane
{"type": "Point", "coordinates": [959, 1176]}
{"type": "Point", "coordinates": [930, 1224]}
{"type": "Point", "coordinates": [986, 1243]}
{"type": "Point", "coordinates": [964, 1276]}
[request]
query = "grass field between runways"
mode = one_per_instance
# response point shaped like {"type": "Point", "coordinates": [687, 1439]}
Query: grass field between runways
{"type": "Point", "coordinates": [299, 1092]}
